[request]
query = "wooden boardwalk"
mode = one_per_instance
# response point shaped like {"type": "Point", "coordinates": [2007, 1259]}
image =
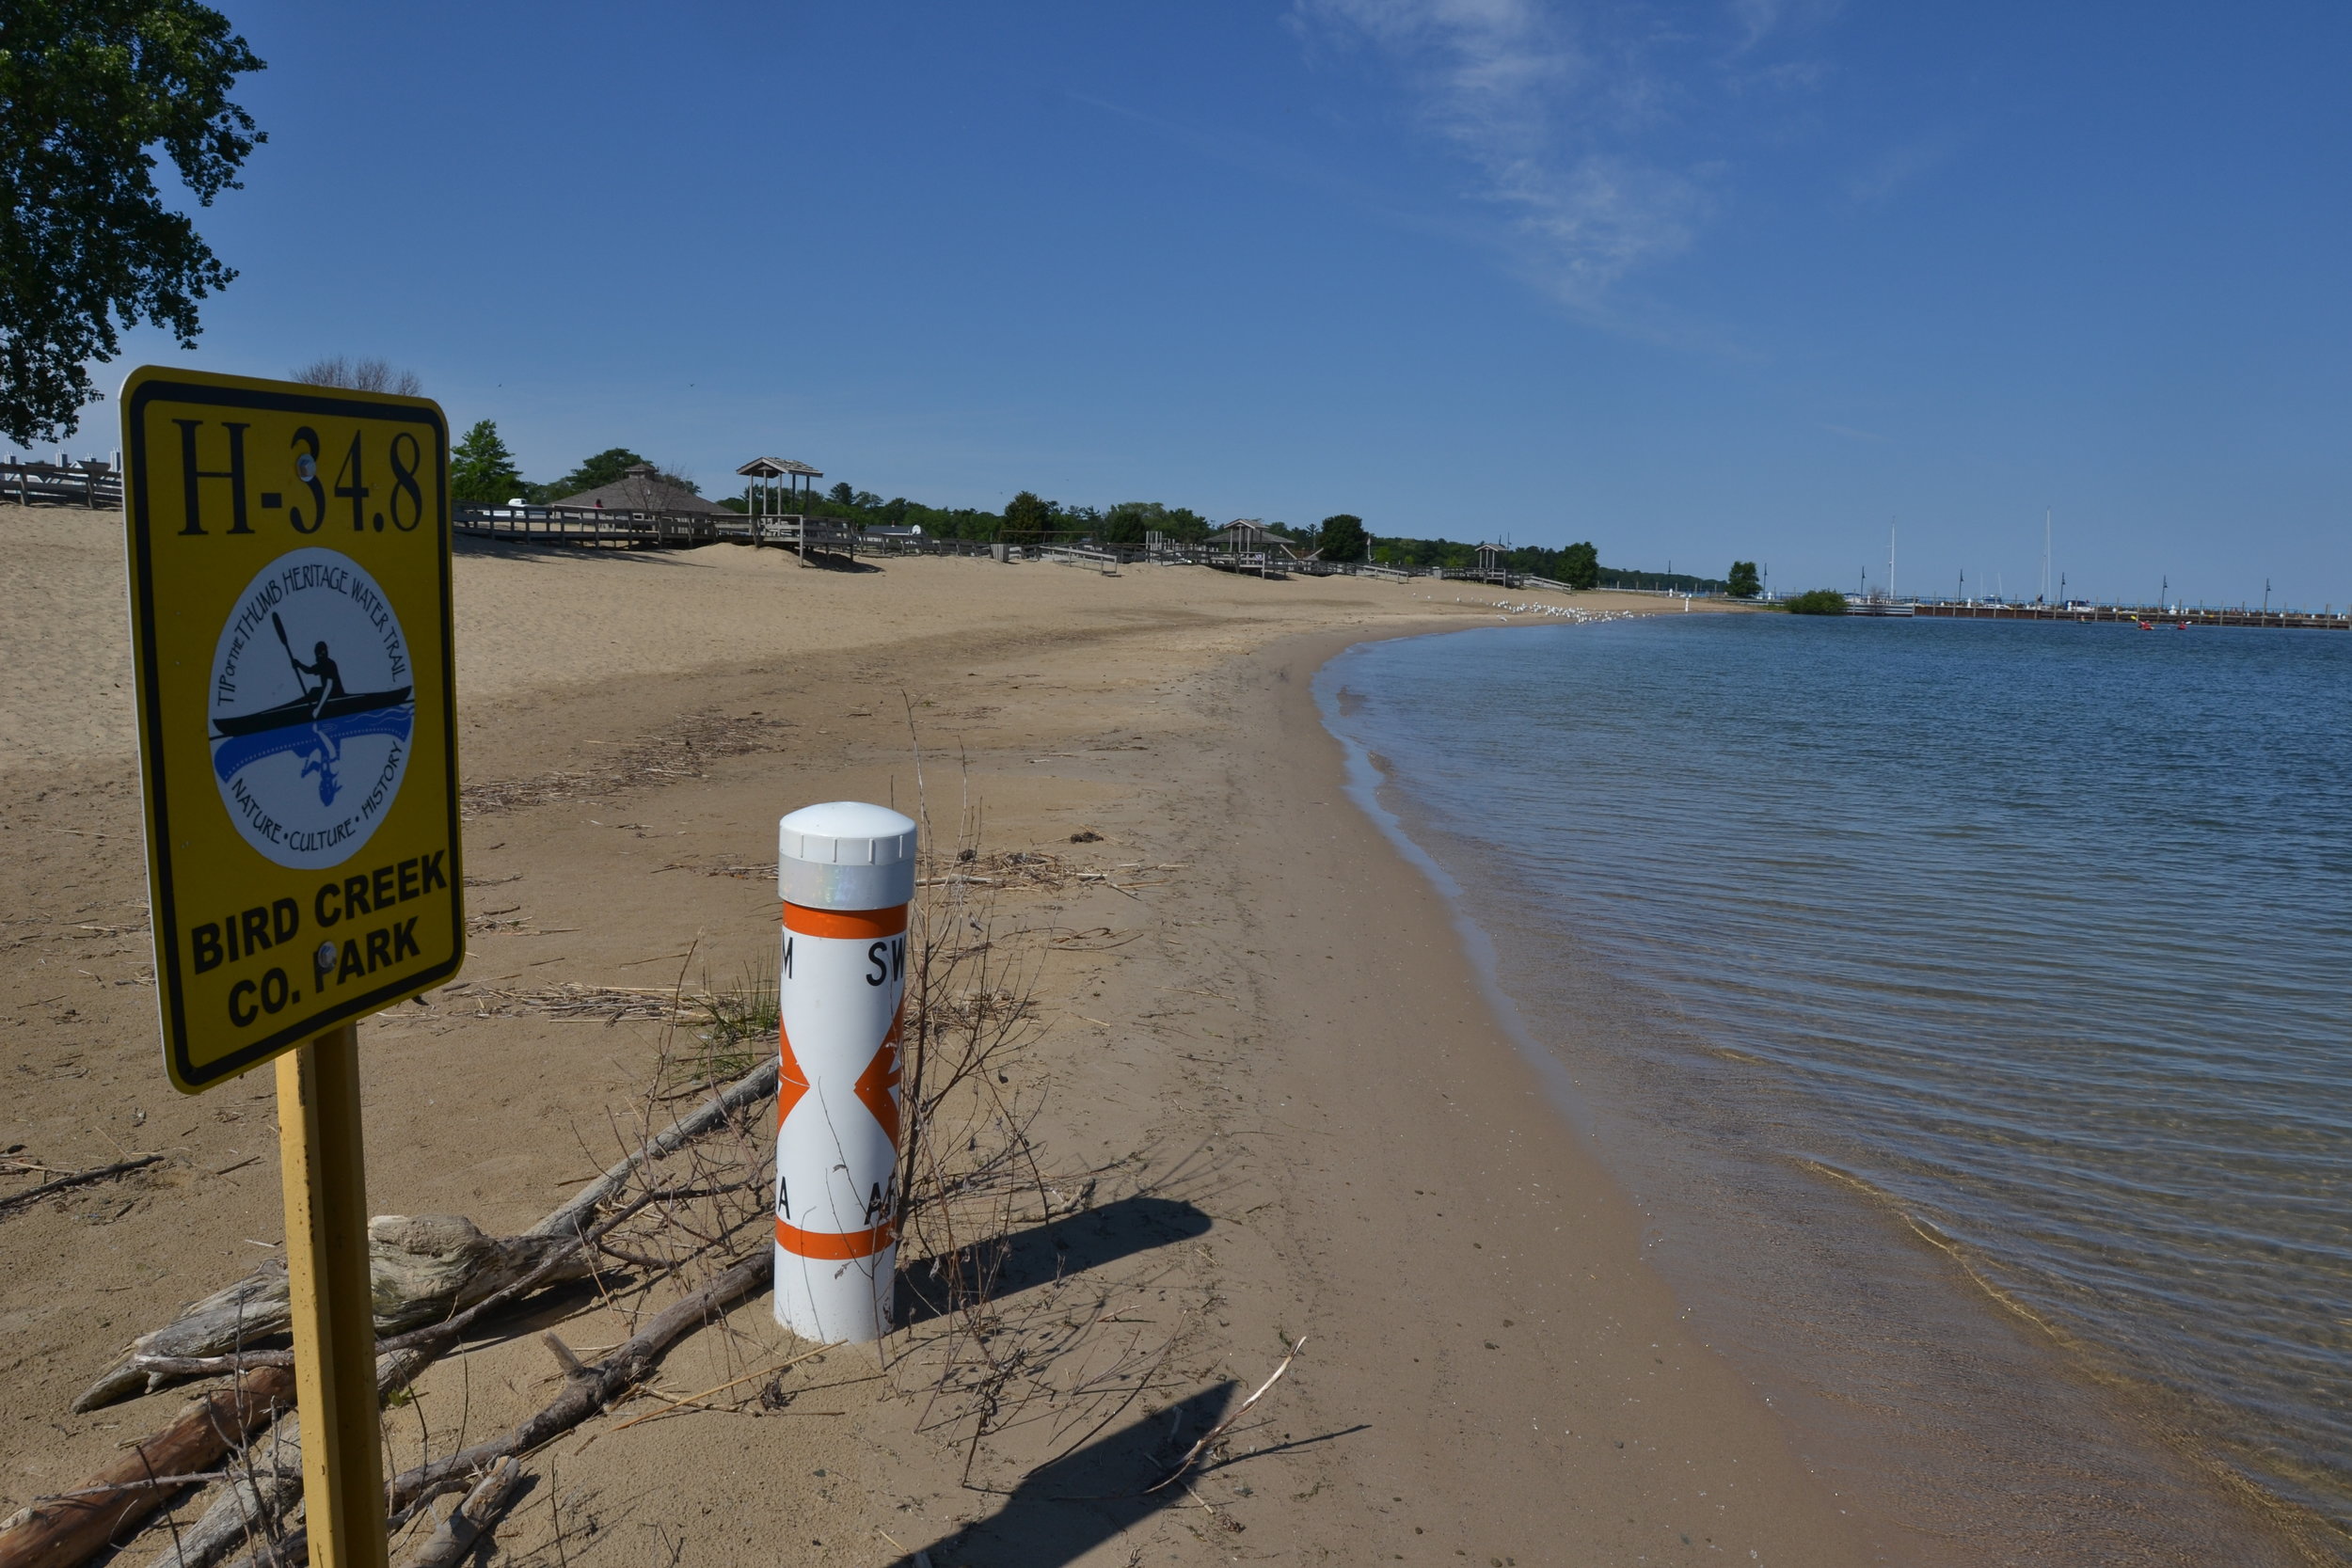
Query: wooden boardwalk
{"type": "Point", "coordinates": [607, 528]}
{"type": "Point", "coordinates": [1248, 563]}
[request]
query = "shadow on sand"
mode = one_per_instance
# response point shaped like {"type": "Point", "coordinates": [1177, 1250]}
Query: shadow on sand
{"type": "Point", "coordinates": [1057, 1250]}
{"type": "Point", "coordinates": [1073, 1505]}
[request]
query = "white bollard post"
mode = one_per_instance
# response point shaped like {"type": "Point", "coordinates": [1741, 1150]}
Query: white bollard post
{"type": "Point", "coordinates": [845, 871]}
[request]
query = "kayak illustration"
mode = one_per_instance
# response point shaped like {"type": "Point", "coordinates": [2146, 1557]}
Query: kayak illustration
{"type": "Point", "coordinates": [304, 710]}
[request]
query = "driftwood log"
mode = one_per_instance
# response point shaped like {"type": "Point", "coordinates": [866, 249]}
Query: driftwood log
{"type": "Point", "coordinates": [587, 1389]}
{"type": "Point", "coordinates": [425, 1267]}
{"type": "Point", "coordinates": [422, 1269]}
{"type": "Point", "coordinates": [72, 1529]}
{"type": "Point", "coordinates": [470, 1520]}
{"type": "Point", "coordinates": [253, 1504]}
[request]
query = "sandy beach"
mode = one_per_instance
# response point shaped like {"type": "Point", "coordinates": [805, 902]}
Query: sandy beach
{"type": "Point", "coordinates": [1270, 1087]}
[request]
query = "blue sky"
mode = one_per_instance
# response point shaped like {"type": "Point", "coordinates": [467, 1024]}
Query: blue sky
{"type": "Point", "coordinates": [1748, 278]}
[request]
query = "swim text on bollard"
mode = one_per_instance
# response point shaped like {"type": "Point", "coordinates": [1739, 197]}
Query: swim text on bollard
{"type": "Point", "coordinates": [845, 871]}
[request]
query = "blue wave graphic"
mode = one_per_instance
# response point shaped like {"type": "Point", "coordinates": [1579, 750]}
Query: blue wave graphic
{"type": "Point", "coordinates": [232, 753]}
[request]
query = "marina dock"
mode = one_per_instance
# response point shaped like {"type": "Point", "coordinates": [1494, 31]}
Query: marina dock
{"type": "Point", "coordinates": [2150, 614]}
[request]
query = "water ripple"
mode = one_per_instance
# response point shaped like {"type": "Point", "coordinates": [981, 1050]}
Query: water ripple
{"type": "Point", "coordinates": [2045, 933]}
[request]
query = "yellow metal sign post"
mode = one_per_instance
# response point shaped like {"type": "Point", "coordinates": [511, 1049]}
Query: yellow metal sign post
{"type": "Point", "coordinates": [290, 622]}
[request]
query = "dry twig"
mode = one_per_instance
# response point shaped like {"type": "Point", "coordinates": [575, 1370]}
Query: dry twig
{"type": "Point", "coordinates": [1209, 1438]}
{"type": "Point", "coordinates": [75, 1178]}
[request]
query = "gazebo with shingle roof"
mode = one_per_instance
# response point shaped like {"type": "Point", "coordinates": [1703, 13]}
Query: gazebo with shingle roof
{"type": "Point", "coordinates": [640, 489]}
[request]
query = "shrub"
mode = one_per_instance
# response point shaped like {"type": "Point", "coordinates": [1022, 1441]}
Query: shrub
{"type": "Point", "coordinates": [1818, 601]}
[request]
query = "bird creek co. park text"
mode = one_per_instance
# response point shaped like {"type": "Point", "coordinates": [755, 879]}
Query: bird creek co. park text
{"type": "Point", "coordinates": [264, 928]}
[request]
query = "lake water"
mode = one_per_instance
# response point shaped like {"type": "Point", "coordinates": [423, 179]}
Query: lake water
{"type": "Point", "coordinates": [2033, 942]}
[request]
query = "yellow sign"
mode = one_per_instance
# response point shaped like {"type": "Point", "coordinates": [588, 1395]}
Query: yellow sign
{"type": "Point", "coordinates": [290, 624]}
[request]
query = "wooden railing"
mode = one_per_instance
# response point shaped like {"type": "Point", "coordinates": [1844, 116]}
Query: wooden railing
{"type": "Point", "coordinates": [93, 485]}
{"type": "Point", "coordinates": [614, 527]}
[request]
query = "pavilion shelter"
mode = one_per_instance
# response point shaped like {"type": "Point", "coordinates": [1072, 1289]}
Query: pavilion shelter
{"type": "Point", "coordinates": [640, 489]}
{"type": "Point", "coordinates": [1242, 537]}
{"type": "Point", "coordinates": [777, 486]}
{"type": "Point", "coordinates": [1248, 536]}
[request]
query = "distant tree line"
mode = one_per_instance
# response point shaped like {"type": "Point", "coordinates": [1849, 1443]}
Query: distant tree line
{"type": "Point", "coordinates": [483, 470]}
{"type": "Point", "coordinates": [1578, 565]}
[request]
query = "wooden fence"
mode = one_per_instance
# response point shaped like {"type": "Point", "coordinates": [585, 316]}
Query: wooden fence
{"type": "Point", "coordinates": [612, 528]}
{"type": "Point", "coordinates": [93, 485]}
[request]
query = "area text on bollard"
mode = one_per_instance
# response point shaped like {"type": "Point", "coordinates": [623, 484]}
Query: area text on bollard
{"type": "Point", "coordinates": [845, 872]}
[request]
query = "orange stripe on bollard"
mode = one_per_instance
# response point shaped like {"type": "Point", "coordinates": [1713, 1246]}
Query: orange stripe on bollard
{"type": "Point", "coordinates": [830, 1246]}
{"type": "Point", "coordinates": [853, 924]}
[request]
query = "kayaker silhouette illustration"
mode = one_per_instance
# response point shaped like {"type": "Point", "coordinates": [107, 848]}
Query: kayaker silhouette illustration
{"type": "Point", "coordinates": [327, 752]}
{"type": "Point", "coordinates": [309, 773]}
{"type": "Point", "coordinates": [330, 678]}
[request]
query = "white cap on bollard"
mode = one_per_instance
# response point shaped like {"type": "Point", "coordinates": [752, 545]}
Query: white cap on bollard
{"type": "Point", "coordinates": [846, 855]}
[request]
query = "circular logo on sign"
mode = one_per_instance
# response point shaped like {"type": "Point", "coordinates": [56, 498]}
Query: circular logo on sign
{"type": "Point", "coordinates": [313, 701]}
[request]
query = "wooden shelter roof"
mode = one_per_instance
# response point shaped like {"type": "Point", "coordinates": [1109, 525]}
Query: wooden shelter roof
{"type": "Point", "coordinates": [640, 489]}
{"type": "Point", "coordinates": [778, 468]}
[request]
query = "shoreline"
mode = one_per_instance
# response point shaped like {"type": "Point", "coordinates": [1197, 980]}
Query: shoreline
{"type": "Point", "coordinates": [1611, 1394]}
{"type": "Point", "coordinates": [1899, 1362]}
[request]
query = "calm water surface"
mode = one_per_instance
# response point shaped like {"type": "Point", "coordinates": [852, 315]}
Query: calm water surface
{"type": "Point", "coordinates": [2045, 933]}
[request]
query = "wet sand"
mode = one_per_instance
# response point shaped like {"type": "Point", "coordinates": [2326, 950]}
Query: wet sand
{"type": "Point", "coordinates": [1300, 1116]}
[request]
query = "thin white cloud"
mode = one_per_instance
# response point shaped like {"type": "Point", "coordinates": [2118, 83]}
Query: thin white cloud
{"type": "Point", "coordinates": [1507, 85]}
{"type": "Point", "coordinates": [1557, 108]}
{"type": "Point", "coordinates": [1283, 161]}
{"type": "Point", "coordinates": [1759, 20]}
{"type": "Point", "coordinates": [1900, 166]}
